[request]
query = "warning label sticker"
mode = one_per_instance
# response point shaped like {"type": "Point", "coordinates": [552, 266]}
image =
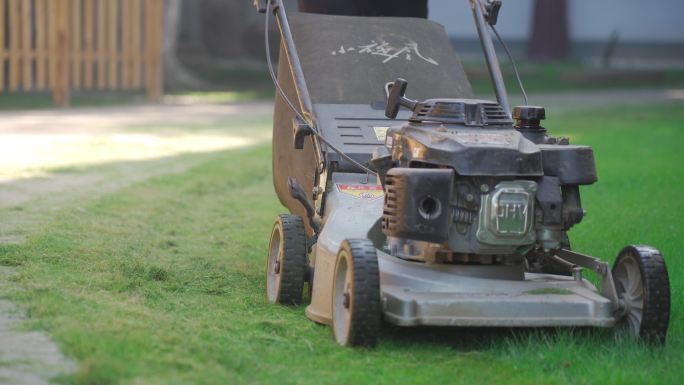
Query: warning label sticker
{"type": "Point", "coordinates": [380, 133]}
{"type": "Point", "coordinates": [495, 139]}
{"type": "Point", "coordinates": [361, 191]}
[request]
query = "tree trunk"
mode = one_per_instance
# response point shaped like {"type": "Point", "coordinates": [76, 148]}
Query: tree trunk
{"type": "Point", "coordinates": [550, 40]}
{"type": "Point", "coordinates": [175, 74]}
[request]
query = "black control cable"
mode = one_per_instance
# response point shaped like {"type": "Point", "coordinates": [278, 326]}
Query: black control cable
{"type": "Point", "coordinates": [314, 130]}
{"type": "Point", "coordinates": [510, 58]}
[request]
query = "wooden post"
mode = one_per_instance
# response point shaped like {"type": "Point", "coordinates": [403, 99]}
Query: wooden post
{"type": "Point", "coordinates": [88, 33]}
{"type": "Point", "coordinates": [14, 49]}
{"type": "Point", "coordinates": [113, 56]}
{"type": "Point", "coordinates": [26, 49]}
{"type": "Point", "coordinates": [60, 92]}
{"type": "Point", "coordinates": [52, 42]}
{"type": "Point", "coordinates": [101, 44]}
{"type": "Point", "coordinates": [126, 44]}
{"type": "Point", "coordinates": [153, 43]}
{"type": "Point", "coordinates": [76, 50]}
{"type": "Point", "coordinates": [137, 44]}
{"type": "Point", "coordinates": [41, 46]}
{"type": "Point", "coordinates": [2, 46]}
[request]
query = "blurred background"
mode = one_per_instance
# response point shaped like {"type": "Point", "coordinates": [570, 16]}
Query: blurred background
{"type": "Point", "coordinates": [561, 44]}
{"type": "Point", "coordinates": [120, 51]}
{"type": "Point", "coordinates": [136, 190]}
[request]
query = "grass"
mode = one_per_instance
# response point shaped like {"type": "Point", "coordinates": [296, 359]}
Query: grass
{"type": "Point", "coordinates": [42, 100]}
{"type": "Point", "coordinates": [222, 96]}
{"type": "Point", "coordinates": [564, 77]}
{"type": "Point", "coordinates": [254, 82]}
{"type": "Point", "coordinates": [163, 282]}
{"type": "Point", "coordinates": [229, 84]}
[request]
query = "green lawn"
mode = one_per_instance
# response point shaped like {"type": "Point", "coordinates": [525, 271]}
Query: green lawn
{"type": "Point", "coordinates": [537, 77]}
{"type": "Point", "coordinates": [163, 282]}
{"type": "Point", "coordinates": [42, 100]}
{"type": "Point", "coordinates": [561, 77]}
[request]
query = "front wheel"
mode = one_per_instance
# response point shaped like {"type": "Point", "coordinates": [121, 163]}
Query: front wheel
{"type": "Point", "coordinates": [643, 289]}
{"type": "Point", "coordinates": [356, 294]}
{"type": "Point", "coordinates": [286, 266]}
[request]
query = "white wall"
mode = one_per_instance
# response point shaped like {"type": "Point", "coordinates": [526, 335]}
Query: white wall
{"type": "Point", "coordinates": [634, 20]}
{"type": "Point", "coordinates": [457, 18]}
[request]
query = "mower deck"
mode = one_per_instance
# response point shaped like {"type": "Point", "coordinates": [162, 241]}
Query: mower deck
{"type": "Point", "coordinates": [418, 294]}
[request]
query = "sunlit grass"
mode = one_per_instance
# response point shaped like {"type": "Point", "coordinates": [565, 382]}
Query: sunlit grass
{"type": "Point", "coordinates": [31, 155]}
{"type": "Point", "coordinates": [38, 144]}
{"type": "Point", "coordinates": [10, 101]}
{"type": "Point", "coordinates": [218, 96]}
{"type": "Point", "coordinates": [43, 100]}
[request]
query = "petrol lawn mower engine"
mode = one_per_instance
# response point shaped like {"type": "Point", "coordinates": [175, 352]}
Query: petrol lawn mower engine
{"type": "Point", "coordinates": [466, 184]}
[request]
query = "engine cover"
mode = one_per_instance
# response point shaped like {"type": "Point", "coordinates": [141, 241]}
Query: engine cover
{"type": "Point", "coordinates": [462, 185]}
{"type": "Point", "coordinates": [492, 151]}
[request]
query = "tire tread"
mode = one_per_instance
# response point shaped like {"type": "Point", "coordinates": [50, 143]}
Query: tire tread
{"type": "Point", "coordinates": [366, 312]}
{"type": "Point", "coordinates": [294, 262]}
{"type": "Point", "coordinates": [656, 312]}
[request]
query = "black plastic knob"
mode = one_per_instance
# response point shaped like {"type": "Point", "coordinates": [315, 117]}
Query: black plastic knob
{"type": "Point", "coordinates": [529, 113]}
{"type": "Point", "coordinates": [528, 122]}
{"type": "Point", "coordinates": [396, 99]}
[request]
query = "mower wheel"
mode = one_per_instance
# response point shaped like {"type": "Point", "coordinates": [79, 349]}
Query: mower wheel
{"type": "Point", "coordinates": [356, 294]}
{"type": "Point", "coordinates": [287, 264]}
{"type": "Point", "coordinates": [643, 289]}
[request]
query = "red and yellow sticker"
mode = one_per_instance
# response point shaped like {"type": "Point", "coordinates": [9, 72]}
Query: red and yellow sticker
{"type": "Point", "coordinates": [361, 191]}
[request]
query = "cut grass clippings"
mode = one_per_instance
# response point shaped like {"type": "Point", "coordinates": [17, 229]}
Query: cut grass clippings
{"type": "Point", "coordinates": [163, 282]}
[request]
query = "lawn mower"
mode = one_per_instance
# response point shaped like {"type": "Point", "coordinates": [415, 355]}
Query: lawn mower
{"type": "Point", "coordinates": [438, 209]}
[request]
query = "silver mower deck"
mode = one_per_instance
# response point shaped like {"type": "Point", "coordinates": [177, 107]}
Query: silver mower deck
{"type": "Point", "coordinates": [415, 293]}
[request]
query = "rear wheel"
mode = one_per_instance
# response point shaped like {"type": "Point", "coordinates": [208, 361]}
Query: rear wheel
{"type": "Point", "coordinates": [643, 289]}
{"type": "Point", "coordinates": [286, 267]}
{"type": "Point", "coordinates": [356, 294]}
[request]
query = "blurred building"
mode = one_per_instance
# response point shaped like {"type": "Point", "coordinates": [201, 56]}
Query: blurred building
{"type": "Point", "coordinates": [629, 33]}
{"type": "Point", "coordinates": [639, 33]}
{"type": "Point", "coordinates": [229, 30]}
